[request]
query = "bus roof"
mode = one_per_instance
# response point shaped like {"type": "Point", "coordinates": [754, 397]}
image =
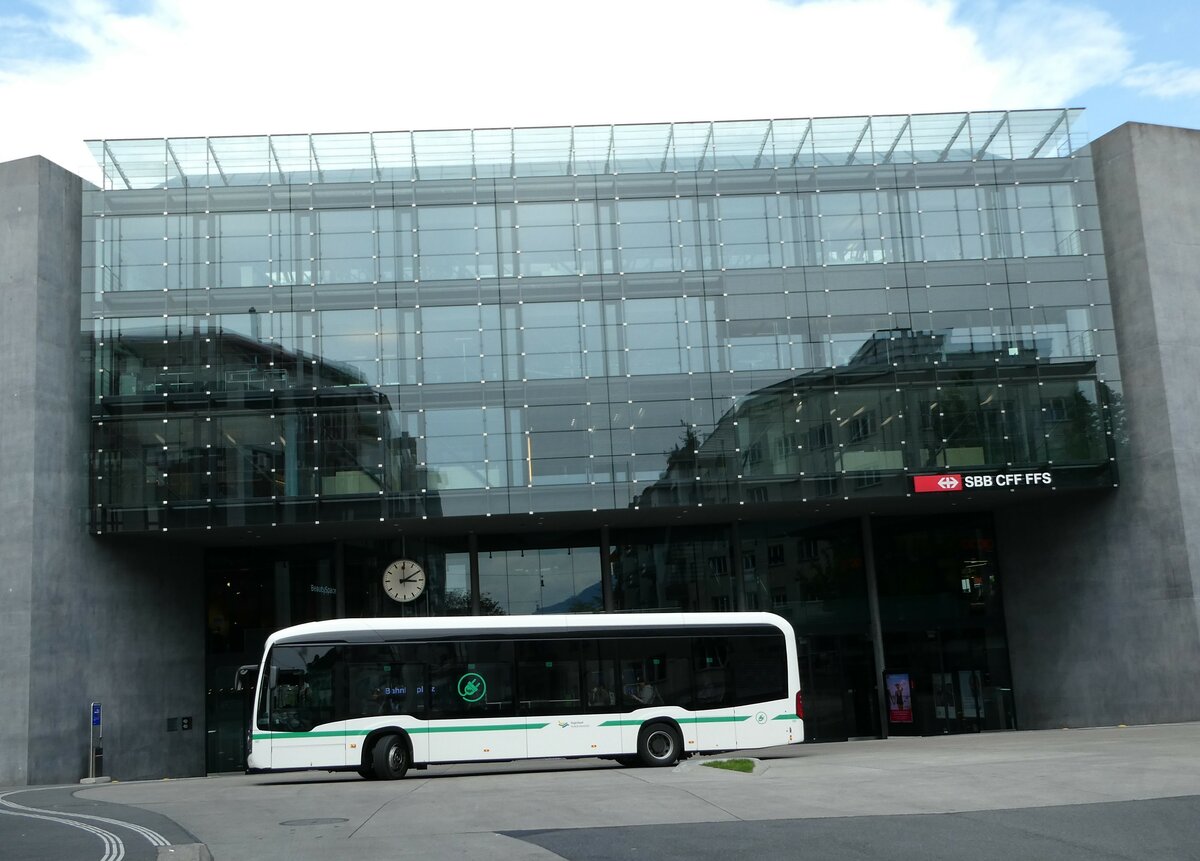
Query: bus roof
{"type": "Point", "coordinates": [386, 628]}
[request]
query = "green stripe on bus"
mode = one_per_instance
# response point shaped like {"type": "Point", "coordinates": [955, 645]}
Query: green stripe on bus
{"type": "Point", "coordinates": [326, 734]}
{"type": "Point", "coordinates": [786, 717]}
{"type": "Point", "coordinates": [428, 729]}
{"type": "Point", "coordinates": [420, 730]}
{"type": "Point", "coordinates": [681, 720]}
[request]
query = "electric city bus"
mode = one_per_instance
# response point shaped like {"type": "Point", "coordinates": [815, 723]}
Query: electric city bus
{"type": "Point", "coordinates": [377, 696]}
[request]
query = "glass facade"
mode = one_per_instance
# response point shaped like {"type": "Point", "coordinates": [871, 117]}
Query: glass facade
{"type": "Point", "coordinates": [286, 329]}
{"type": "Point", "coordinates": [472, 338]}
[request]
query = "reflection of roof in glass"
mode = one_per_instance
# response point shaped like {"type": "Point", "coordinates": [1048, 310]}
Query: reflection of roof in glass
{"type": "Point", "coordinates": [566, 151]}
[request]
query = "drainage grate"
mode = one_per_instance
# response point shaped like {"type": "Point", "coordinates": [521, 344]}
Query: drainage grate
{"type": "Point", "coordinates": [331, 821]}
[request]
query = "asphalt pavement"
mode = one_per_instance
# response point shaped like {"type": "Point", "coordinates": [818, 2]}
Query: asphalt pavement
{"type": "Point", "coordinates": [1109, 793]}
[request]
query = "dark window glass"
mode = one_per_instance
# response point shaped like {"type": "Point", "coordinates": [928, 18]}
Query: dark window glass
{"type": "Point", "coordinates": [386, 680]}
{"type": "Point", "coordinates": [714, 676]}
{"type": "Point", "coordinates": [548, 677]}
{"type": "Point", "coordinates": [600, 674]}
{"type": "Point", "coordinates": [656, 671]}
{"type": "Point", "coordinates": [302, 688]}
{"type": "Point", "coordinates": [760, 668]}
{"type": "Point", "coordinates": [471, 680]}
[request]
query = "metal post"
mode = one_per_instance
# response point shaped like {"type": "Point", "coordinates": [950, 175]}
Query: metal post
{"type": "Point", "coordinates": [868, 548]}
{"type": "Point", "coordinates": [95, 735]}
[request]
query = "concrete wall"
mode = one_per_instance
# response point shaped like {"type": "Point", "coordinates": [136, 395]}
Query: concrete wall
{"type": "Point", "coordinates": [1101, 594]}
{"type": "Point", "coordinates": [79, 619]}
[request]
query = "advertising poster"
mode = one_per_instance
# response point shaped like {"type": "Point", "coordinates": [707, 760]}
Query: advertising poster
{"type": "Point", "coordinates": [899, 694]}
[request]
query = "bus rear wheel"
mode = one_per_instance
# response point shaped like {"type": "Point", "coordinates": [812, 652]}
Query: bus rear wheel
{"type": "Point", "coordinates": [389, 758]}
{"type": "Point", "coordinates": [659, 745]}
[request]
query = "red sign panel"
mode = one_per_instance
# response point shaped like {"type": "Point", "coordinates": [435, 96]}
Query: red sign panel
{"type": "Point", "coordinates": [937, 483]}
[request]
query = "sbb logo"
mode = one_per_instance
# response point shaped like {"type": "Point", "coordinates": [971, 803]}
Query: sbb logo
{"type": "Point", "coordinates": [937, 483]}
{"type": "Point", "coordinates": [956, 482]}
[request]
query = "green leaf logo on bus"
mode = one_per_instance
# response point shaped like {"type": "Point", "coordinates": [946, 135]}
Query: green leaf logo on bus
{"type": "Point", "coordinates": [472, 687]}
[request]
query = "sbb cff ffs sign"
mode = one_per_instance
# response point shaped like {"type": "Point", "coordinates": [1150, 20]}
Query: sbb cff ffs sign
{"type": "Point", "coordinates": [951, 482]}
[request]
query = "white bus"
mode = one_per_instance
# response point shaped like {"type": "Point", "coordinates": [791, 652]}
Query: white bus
{"type": "Point", "coordinates": [377, 696]}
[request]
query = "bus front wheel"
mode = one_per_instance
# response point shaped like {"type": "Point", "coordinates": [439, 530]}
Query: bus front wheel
{"type": "Point", "coordinates": [390, 758]}
{"type": "Point", "coordinates": [659, 745]}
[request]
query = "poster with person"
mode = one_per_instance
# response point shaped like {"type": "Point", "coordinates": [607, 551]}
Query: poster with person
{"type": "Point", "coordinates": [899, 694]}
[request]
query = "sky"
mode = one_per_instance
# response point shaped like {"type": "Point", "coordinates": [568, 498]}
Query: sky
{"type": "Point", "coordinates": [73, 70]}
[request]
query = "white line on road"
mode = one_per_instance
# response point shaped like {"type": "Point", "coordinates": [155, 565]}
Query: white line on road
{"type": "Point", "coordinates": [114, 848]}
{"type": "Point", "coordinates": [113, 843]}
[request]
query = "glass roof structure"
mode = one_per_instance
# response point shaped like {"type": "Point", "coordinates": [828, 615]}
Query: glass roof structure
{"type": "Point", "coordinates": [585, 150]}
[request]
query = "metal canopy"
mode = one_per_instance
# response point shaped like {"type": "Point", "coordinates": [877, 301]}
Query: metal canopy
{"type": "Point", "coordinates": [585, 150]}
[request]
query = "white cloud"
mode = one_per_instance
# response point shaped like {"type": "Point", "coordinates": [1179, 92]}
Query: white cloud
{"type": "Point", "coordinates": [1164, 80]}
{"type": "Point", "coordinates": [1051, 52]}
{"type": "Point", "coordinates": [238, 67]}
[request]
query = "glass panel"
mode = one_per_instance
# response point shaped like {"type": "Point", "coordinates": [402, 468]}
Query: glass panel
{"type": "Point", "coordinates": [542, 152]}
{"type": "Point", "coordinates": [493, 152]}
{"type": "Point", "coordinates": [549, 676]}
{"type": "Point", "coordinates": [471, 680]}
{"type": "Point", "coordinates": [545, 580]}
{"type": "Point", "coordinates": [656, 671]}
{"type": "Point", "coordinates": [302, 692]}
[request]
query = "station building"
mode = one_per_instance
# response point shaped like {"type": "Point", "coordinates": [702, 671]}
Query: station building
{"type": "Point", "coordinates": [862, 372]}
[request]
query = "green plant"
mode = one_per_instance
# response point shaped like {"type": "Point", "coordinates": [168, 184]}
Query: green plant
{"type": "Point", "coordinates": [744, 765]}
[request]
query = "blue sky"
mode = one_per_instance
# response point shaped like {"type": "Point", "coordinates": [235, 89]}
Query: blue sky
{"type": "Point", "coordinates": [1163, 38]}
{"type": "Point", "coordinates": [77, 69]}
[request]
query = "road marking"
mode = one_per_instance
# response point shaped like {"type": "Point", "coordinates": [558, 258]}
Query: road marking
{"type": "Point", "coordinates": [114, 847]}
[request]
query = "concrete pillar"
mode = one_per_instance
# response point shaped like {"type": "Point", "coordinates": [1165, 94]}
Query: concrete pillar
{"type": "Point", "coordinates": [1101, 591]}
{"type": "Point", "coordinates": [80, 619]}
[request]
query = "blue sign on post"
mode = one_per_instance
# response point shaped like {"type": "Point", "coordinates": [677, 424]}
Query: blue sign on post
{"type": "Point", "coordinates": [95, 714]}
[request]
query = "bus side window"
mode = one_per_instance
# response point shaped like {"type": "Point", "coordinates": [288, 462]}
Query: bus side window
{"type": "Point", "coordinates": [548, 676]}
{"type": "Point", "coordinates": [714, 687]}
{"type": "Point", "coordinates": [472, 679]}
{"type": "Point", "coordinates": [387, 679]}
{"type": "Point", "coordinates": [761, 663]}
{"type": "Point", "coordinates": [600, 675]}
{"type": "Point", "coordinates": [656, 671]}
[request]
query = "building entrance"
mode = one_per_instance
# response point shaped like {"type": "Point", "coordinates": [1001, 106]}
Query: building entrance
{"type": "Point", "coordinates": [942, 617]}
{"type": "Point", "coordinates": [940, 613]}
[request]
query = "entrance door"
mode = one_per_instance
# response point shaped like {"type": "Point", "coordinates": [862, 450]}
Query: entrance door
{"type": "Point", "coordinates": [838, 680]}
{"type": "Point", "coordinates": [951, 680]}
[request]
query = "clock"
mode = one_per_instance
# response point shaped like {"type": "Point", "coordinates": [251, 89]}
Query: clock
{"type": "Point", "coordinates": [404, 580]}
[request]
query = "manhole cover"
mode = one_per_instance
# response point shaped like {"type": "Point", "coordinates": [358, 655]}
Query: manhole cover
{"type": "Point", "coordinates": [330, 821]}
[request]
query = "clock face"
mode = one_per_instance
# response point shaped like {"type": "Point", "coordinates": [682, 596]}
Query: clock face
{"type": "Point", "coordinates": [404, 580]}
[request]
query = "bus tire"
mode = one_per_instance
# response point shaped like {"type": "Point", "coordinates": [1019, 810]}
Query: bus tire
{"type": "Point", "coordinates": [368, 773]}
{"type": "Point", "coordinates": [659, 745]}
{"type": "Point", "coordinates": [390, 758]}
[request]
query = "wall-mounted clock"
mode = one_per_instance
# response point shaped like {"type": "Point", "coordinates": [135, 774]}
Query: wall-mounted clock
{"type": "Point", "coordinates": [404, 580]}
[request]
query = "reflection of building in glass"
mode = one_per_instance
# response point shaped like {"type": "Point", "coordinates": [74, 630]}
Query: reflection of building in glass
{"type": "Point", "coordinates": [905, 401]}
{"type": "Point", "coordinates": [209, 417]}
